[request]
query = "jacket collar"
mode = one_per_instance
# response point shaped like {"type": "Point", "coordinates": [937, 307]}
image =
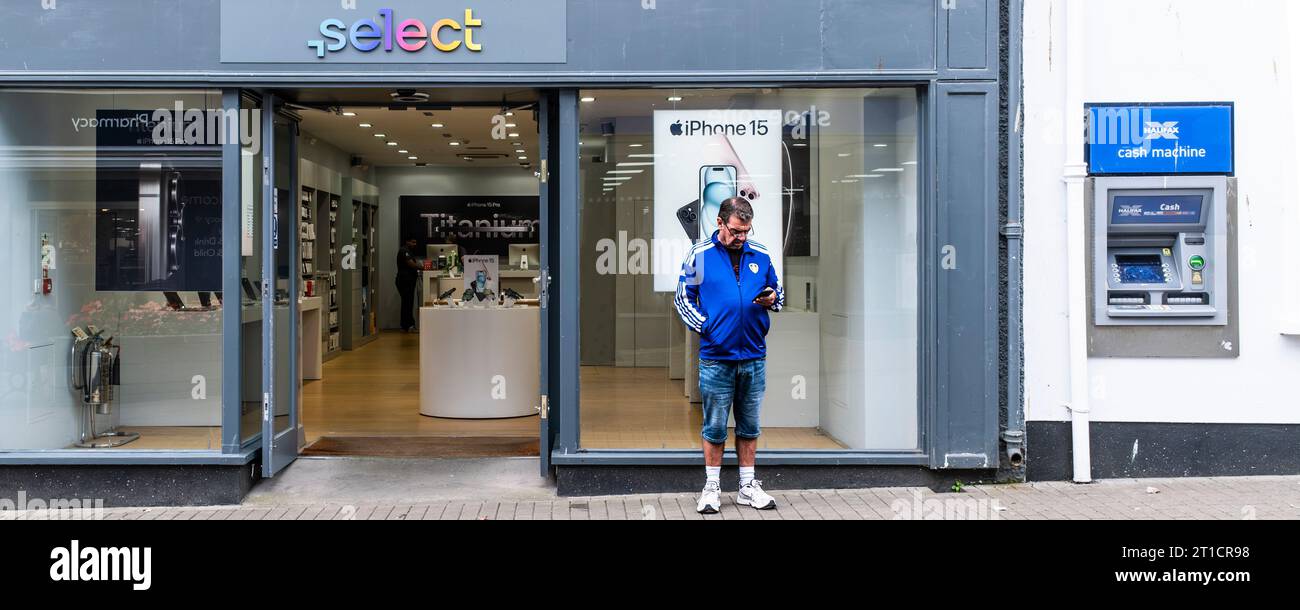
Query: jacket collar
{"type": "Point", "coordinates": [745, 247]}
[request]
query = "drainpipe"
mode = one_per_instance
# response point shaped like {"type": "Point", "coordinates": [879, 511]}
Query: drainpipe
{"type": "Point", "coordinates": [1013, 438]}
{"type": "Point", "coordinates": [1076, 171]}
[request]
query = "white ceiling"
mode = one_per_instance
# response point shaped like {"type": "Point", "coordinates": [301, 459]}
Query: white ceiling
{"type": "Point", "coordinates": [413, 131]}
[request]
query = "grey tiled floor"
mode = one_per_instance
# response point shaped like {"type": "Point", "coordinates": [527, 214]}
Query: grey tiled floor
{"type": "Point", "coordinates": [1273, 497]}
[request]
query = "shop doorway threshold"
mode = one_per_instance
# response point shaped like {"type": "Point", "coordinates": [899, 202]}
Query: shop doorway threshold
{"type": "Point", "coordinates": [424, 446]}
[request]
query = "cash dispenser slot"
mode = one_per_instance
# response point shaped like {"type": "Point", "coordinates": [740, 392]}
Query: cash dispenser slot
{"type": "Point", "coordinates": [1128, 298]}
{"type": "Point", "coordinates": [1187, 298]}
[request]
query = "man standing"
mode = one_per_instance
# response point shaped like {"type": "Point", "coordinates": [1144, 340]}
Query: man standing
{"type": "Point", "coordinates": [727, 286]}
{"type": "Point", "coordinates": [408, 273]}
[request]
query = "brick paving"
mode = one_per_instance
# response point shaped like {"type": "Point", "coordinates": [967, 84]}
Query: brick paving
{"type": "Point", "coordinates": [1267, 497]}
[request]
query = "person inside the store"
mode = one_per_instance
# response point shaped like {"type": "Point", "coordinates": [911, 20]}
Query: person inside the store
{"type": "Point", "coordinates": [408, 274]}
{"type": "Point", "coordinates": [727, 287]}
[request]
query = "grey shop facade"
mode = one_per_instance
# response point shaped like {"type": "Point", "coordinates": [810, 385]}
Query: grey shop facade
{"type": "Point", "coordinates": [888, 138]}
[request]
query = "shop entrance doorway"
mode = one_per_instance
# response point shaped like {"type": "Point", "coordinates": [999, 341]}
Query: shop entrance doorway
{"type": "Point", "coordinates": [420, 257]}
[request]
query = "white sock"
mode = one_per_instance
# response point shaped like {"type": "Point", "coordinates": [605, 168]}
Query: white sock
{"type": "Point", "coordinates": [746, 475]}
{"type": "Point", "coordinates": [713, 474]}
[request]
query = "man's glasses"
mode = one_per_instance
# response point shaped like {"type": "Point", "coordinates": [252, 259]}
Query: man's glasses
{"type": "Point", "coordinates": [738, 232]}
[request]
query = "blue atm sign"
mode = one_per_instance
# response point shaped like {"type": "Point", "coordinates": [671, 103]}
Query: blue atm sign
{"type": "Point", "coordinates": [1145, 139]}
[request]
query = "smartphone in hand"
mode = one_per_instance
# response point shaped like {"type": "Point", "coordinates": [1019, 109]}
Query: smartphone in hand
{"type": "Point", "coordinates": [762, 295]}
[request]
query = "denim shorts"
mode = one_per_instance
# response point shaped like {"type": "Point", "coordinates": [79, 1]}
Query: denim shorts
{"type": "Point", "coordinates": [731, 383]}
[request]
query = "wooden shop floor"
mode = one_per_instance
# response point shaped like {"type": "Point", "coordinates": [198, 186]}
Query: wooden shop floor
{"type": "Point", "coordinates": [374, 391]}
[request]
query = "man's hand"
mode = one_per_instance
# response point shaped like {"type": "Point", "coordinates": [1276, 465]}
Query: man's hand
{"type": "Point", "coordinates": [768, 300]}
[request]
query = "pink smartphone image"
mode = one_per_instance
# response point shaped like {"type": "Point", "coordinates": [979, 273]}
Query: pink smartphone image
{"type": "Point", "coordinates": [744, 186]}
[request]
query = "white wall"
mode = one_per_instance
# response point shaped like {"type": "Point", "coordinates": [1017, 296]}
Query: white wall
{"type": "Point", "coordinates": [1189, 50]}
{"type": "Point", "coordinates": [394, 182]}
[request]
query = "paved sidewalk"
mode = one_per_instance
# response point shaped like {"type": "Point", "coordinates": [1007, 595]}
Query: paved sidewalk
{"type": "Point", "coordinates": [1273, 497]}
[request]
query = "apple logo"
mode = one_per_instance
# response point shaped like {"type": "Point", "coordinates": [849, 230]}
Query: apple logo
{"type": "Point", "coordinates": [675, 128]}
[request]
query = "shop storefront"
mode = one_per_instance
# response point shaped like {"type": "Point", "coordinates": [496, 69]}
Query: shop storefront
{"type": "Point", "coordinates": [182, 257]}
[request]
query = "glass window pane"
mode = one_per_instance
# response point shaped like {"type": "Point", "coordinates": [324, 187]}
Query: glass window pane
{"type": "Point", "coordinates": [830, 177]}
{"type": "Point", "coordinates": [111, 306]}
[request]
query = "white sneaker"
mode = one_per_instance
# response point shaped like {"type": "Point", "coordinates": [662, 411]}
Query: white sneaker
{"type": "Point", "coordinates": [753, 495]}
{"type": "Point", "coordinates": [710, 502]}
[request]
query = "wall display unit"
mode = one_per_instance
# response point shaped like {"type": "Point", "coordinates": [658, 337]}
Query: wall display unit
{"type": "Point", "coordinates": [329, 250]}
{"type": "Point", "coordinates": [307, 241]}
{"type": "Point", "coordinates": [363, 286]}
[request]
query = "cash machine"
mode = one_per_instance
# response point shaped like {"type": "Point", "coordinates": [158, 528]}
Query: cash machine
{"type": "Point", "coordinates": [1161, 197]}
{"type": "Point", "coordinates": [1160, 250]}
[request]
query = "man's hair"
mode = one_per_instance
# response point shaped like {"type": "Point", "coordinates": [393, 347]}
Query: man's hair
{"type": "Point", "coordinates": [738, 207]}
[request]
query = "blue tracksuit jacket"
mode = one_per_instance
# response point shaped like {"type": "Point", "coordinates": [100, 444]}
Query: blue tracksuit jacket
{"type": "Point", "coordinates": [718, 306]}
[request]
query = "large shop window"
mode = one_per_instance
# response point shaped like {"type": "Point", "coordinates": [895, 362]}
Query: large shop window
{"type": "Point", "coordinates": [832, 176]}
{"type": "Point", "coordinates": [110, 302]}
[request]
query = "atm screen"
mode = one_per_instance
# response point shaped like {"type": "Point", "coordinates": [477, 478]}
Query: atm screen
{"type": "Point", "coordinates": [1140, 269]}
{"type": "Point", "coordinates": [1156, 209]}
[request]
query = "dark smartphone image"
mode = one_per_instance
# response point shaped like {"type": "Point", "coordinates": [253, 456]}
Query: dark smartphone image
{"type": "Point", "coordinates": [766, 291]}
{"type": "Point", "coordinates": [689, 216]}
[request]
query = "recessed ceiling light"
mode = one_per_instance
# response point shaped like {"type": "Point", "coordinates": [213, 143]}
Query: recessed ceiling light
{"type": "Point", "coordinates": [588, 99]}
{"type": "Point", "coordinates": [635, 145]}
{"type": "Point", "coordinates": [674, 98]}
{"type": "Point", "coordinates": [634, 163]}
{"type": "Point", "coordinates": [454, 143]}
{"type": "Point", "coordinates": [412, 157]}
{"type": "Point", "coordinates": [519, 150]}
{"type": "Point", "coordinates": [844, 154]}
{"type": "Point", "coordinates": [888, 169]}
{"type": "Point", "coordinates": [379, 135]}
{"type": "Point", "coordinates": [880, 145]}
{"type": "Point", "coordinates": [508, 113]}
{"type": "Point", "coordinates": [511, 125]}
{"type": "Point", "coordinates": [437, 125]}
{"type": "Point", "coordinates": [392, 143]}
{"type": "Point", "coordinates": [364, 125]}
{"type": "Point", "coordinates": [909, 163]}
{"type": "Point", "coordinates": [863, 176]}
{"type": "Point", "coordinates": [624, 171]}
{"type": "Point", "coordinates": [644, 155]}
{"type": "Point", "coordinates": [514, 135]}
{"type": "Point", "coordinates": [403, 151]}
{"type": "Point", "coordinates": [349, 114]}
{"type": "Point", "coordinates": [799, 145]}
{"type": "Point", "coordinates": [521, 143]}
{"type": "Point", "coordinates": [521, 157]}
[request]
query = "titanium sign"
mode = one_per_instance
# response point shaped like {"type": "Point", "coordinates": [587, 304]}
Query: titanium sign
{"type": "Point", "coordinates": [1164, 139]}
{"type": "Point", "coordinates": [394, 31]}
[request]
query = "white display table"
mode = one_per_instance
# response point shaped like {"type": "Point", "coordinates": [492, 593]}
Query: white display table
{"type": "Point", "coordinates": [479, 362]}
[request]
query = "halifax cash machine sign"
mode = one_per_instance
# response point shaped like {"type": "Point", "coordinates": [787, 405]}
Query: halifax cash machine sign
{"type": "Point", "coordinates": [1160, 139]}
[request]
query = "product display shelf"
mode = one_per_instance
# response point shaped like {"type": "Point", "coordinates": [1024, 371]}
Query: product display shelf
{"type": "Point", "coordinates": [307, 237]}
{"type": "Point", "coordinates": [328, 274]}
